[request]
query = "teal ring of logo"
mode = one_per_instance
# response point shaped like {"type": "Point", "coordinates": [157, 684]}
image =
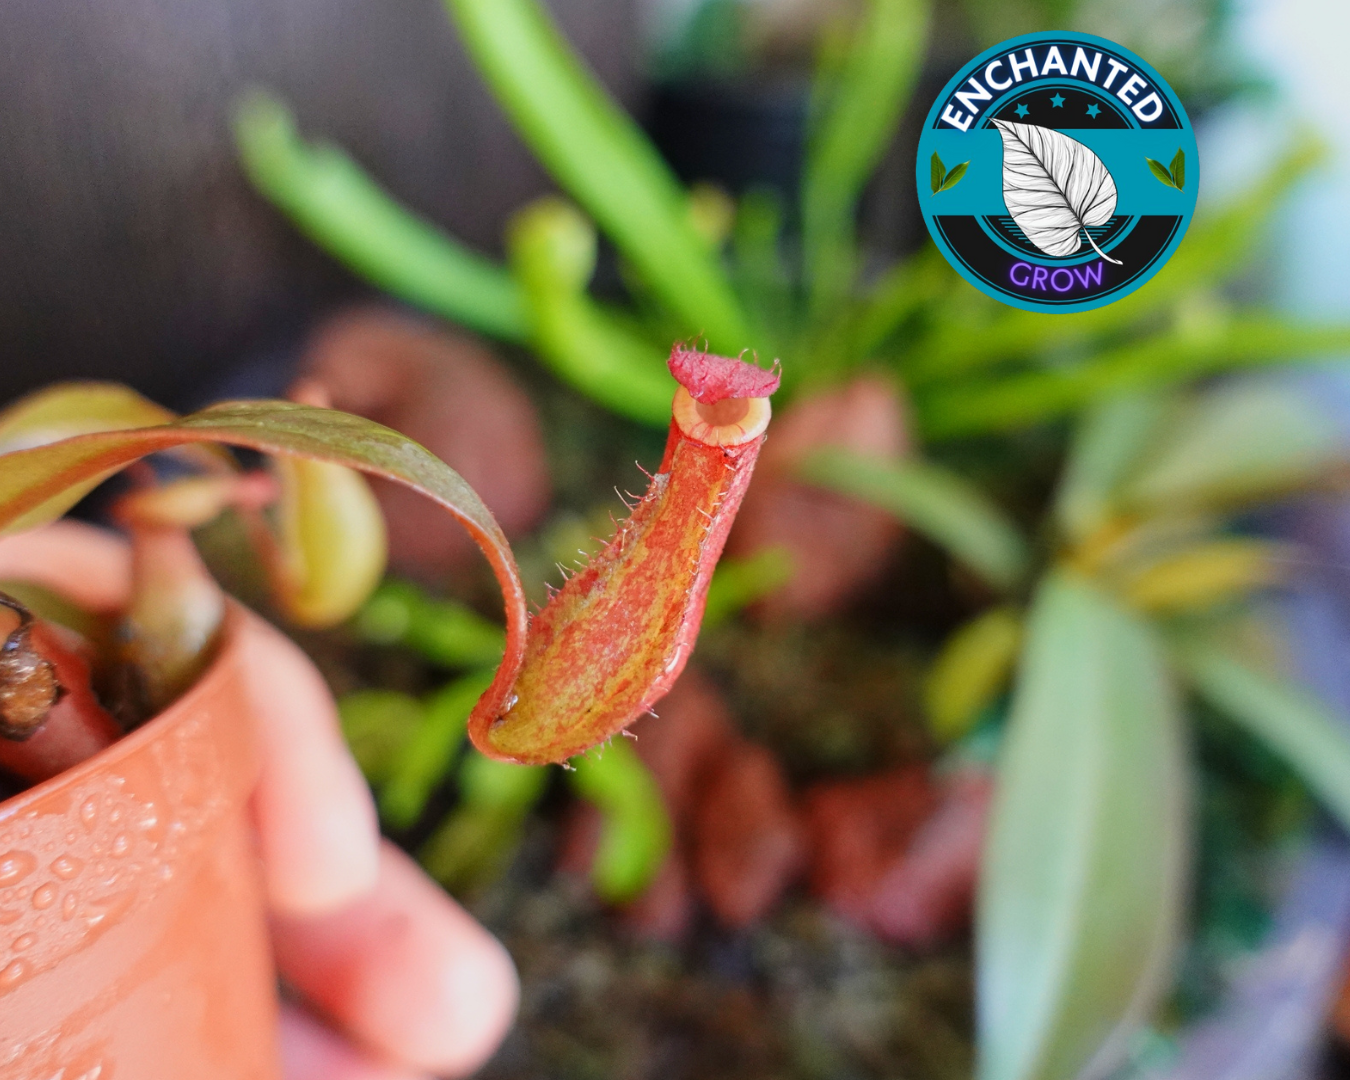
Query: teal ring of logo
{"type": "Point", "coordinates": [1097, 94]}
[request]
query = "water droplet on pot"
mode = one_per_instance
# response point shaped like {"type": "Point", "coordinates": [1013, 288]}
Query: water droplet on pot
{"type": "Point", "coordinates": [24, 942]}
{"type": "Point", "coordinates": [44, 896]}
{"type": "Point", "coordinates": [121, 844]}
{"type": "Point", "coordinates": [12, 973]}
{"type": "Point", "coordinates": [89, 811]}
{"type": "Point", "coordinates": [66, 867]}
{"type": "Point", "coordinates": [15, 865]}
{"type": "Point", "coordinates": [68, 906]}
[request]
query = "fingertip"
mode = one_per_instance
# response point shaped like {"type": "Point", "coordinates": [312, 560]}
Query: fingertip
{"type": "Point", "coordinates": [317, 827]}
{"type": "Point", "coordinates": [311, 1051]}
{"type": "Point", "coordinates": [87, 565]}
{"type": "Point", "coordinates": [407, 971]}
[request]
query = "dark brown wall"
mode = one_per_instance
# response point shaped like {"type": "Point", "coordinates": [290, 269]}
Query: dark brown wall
{"type": "Point", "coordinates": [130, 245]}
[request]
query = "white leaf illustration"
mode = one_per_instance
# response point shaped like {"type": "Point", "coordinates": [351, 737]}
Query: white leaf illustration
{"type": "Point", "coordinates": [1054, 186]}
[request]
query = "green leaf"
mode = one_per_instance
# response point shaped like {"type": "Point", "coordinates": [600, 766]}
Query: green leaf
{"type": "Point", "coordinates": [445, 632]}
{"type": "Point", "coordinates": [552, 249]}
{"type": "Point", "coordinates": [954, 177]}
{"type": "Point", "coordinates": [1107, 445]}
{"type": "Point", "coordinates": [1233, 444]}
{"type": "Point", "coordinates": [1287, 718]}
{"type": "Point", "coordinates": [67, 409]}
{"type": "Point", "coordinates": [937, 172]}
{"type": "Point", "coordinates": [636, 834]}
{"type": "Point", "coordinates": [377, 725]}
{"type": "Point", "coordinates": [1178, 169]}
{"type": "Point", "coordinates": [424, 759]}
{"type": "Point", "coordinates": [977, 407]}
{"type": "Point", "coordinates": [944, 507]}
{"type": "Point", "coordinates": [739, 582]}
{"type": "Point", "coordinates": [970, 671]}
{"type": "Point", "coordinates": [340, 208]}
{"type": "Point", "coordinates": [860, 107]}
{"type": "Point", "coordinates": [476, 840]}
{"type": "Point", "coordinates": [1161, 172]}
{"type": "Point", "coordinates": [599, 155]}
{"type": "Point", "coordinates": [1083, 881]}
{"type": "Point", "coordinates": [30, 478]}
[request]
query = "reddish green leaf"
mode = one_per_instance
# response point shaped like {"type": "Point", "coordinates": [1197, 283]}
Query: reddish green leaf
{"type": "Point", "coordinates": [34, 477]}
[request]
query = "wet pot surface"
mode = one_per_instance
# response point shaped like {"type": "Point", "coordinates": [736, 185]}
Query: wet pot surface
{"type": "Point", "coordinates": [132, 936]}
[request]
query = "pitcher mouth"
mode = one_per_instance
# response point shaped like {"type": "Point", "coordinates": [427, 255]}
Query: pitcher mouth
{"type": "Point", "coordinates": [729, 422]}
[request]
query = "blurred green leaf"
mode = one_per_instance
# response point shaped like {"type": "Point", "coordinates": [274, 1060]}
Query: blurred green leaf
{"type": "Point", "coordinates": [946, 508]}
{"type": "Point", "coordinates": [1204, 575]}
{"type": "Point", "coordinates": [1287, 718]}
{"type": "Point", "coordinates": [739, 582]}
{"type": "Point", "coordinates": [377, 724]}
{"type": "Point", "coordinates": [1083, 882]}
{"type": "Point", "coordinates": [970, 671]}
{"type": "Point", "coordinates": [1109, 440]}
{"type": "Point", "coordinates": [427, 756]}
{"type": "Point", "coordinates": [1161, 172]}
{"type": "Point", "coordinates": [444, 631]}
{"type": "Point", "coordinates": [900, 292]}
{"type": "Point", "coordinates": [761, 278]}
{"type": "Point", "coordinates": [552, 250]}
{"type": "Point", "coordinates": [1232, 444]}
{"type": "Point", "coordinates": [477, 839]}
{"type": "Point", "coordinates": [954, 177]}
{"type": "Point", "coordinates": [600, 156]}
{"type": "Point", "coordinates": [341, 209]}
{"type": "Point", "coordinates": [859, 107]}
{"type": "Point", "coordinates": [636, 834]}
{"type": "Point", "coordinates": [1161, 361]}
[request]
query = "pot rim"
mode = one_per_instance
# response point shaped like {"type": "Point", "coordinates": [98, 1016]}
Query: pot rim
{"type": "Point", "coordinates": [157, 727]}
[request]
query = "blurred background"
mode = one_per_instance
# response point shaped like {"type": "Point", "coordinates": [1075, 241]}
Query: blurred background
{"type": "Point", "coordinates": [781, 880]}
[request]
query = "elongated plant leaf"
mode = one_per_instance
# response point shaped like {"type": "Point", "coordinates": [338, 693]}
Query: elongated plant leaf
{"type": "Point", "coordinates": [1232, 444]}
{"type": "Point", "coordinates": [67, 409]}
{"type": "Point", "coordinates": [31, 478]}
{"type": "Point", "coordinates": [1161, 171]}
{"type": "Point", "coordinates": [601, 157]}
{"type": "Point", "coordinates": [1287, 718]}
{"type": "Point", "coordinates": [937, 172]}
{"type": "Point", "coordinates": [1083, 880]}
{"type": "Point", "coordinates": [860, 106]}
{"type": "Point", "coordinates": [954, 177]}
{"type": "Point", "coordinates": [636, 834]}
{"type": "Point", "coordinates": [1178, 169]}
{"type": "Point", "coordinates": [1109, 441]}
{"type": "Point", "coordinates": [1055, 188]}
{"type": "Point", "coordinates": [944, 507]}
{"type": "Point", "coordinates": [1161, 361]}
{"type": "Point", "coordinates": [343, 210]}
{"type": "Point", "coordinates": [427, 756]}
{"type": "Point", "coordinates": [553, 252]}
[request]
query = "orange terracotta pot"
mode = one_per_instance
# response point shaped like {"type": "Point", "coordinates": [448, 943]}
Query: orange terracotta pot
{"type": "Point", "coordinates": [133, 941]}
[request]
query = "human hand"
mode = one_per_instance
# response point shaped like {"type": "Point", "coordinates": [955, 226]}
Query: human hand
{"type": "Point", "coordinates": [409, 985]}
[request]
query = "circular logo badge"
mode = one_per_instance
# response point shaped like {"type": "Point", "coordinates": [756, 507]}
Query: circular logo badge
{"type": "Point", "coordinates": [1057, 172]}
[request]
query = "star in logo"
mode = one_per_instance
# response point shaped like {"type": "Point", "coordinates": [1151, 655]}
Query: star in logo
{"type": "Point", "coordinates": [1057, 100]}
{"type": "Point", "coordinates": [1094, 109]}
{"type": "Point", "coordinates": [1021, 111]}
